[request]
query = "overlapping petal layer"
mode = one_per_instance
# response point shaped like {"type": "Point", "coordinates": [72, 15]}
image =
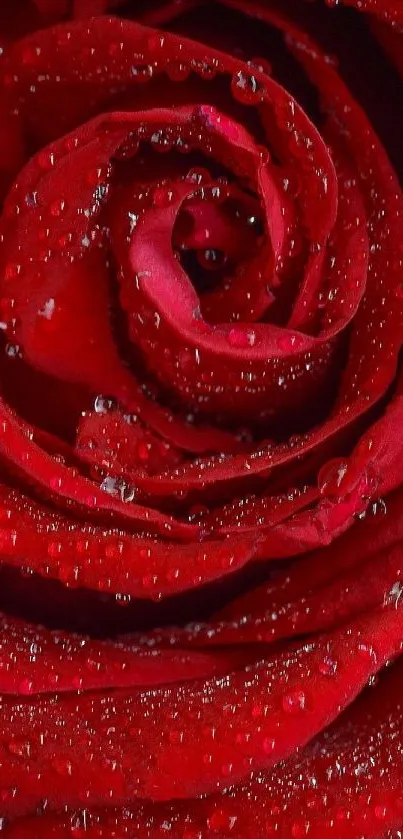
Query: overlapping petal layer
{"type": "Point", "coordinates": [202, 310]}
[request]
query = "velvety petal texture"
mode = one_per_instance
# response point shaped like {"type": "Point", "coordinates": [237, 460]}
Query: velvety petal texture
{"type": "Point", "coordinates": [201, 404]}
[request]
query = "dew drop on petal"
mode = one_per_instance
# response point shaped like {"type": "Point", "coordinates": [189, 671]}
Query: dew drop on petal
{"type": "Point", "coordinates": [294, 702]}
{"type": "Point", "coordinates": [246, 88]}
{"type": "Point", "coordinates": [261, 64]}
{"type": "Point", "coordinates": [331, 477]}
{"type": "Point", "coordinates": [177, 71]}
{"type": "Point", "coordinates": [46, 159]}
{"type": "Point", "coordinates": [221, 821]}
{"type": "Point", "coordinates": [269, 745]}
{"type": "Point", "coordinates": [163, 196]}
{"type": "Point", "coordinates": [328, 666]}
{"type": "Point", "coordinates": [57, 207]}
{"type": "Point", "coordinates": [241, 337]}
{"type": "Point", "coordinates": [20, 748]}
{"type": "Point", "coordinates": [104, 404]}
{"type": "Point", "coordinates": [142, 72]}
{"type": "Point", "coordinates": [299, 830]}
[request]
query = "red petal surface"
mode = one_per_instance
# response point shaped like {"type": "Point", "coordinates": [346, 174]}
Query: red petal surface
{"type": "Point", "coordinates": [345, 783]}
{"type": "Point", "coordinates": [128, 728]}
{"type": "Point", "coordinates": [201, 327]}
{"type": "Point", "coordinates": [36, 661]}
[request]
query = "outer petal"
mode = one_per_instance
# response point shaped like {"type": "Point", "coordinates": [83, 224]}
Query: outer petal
{"type": "Point", "coordinates": [346, 783]}
{"type": "Point", "coordinates": [134, 730]}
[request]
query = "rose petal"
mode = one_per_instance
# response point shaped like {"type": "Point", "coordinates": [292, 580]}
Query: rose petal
{"type": "Point", "coordinates": [139, 724]}
{"type": "Point", "coordinates": [347, 782]}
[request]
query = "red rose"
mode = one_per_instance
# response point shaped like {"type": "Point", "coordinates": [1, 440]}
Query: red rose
{"type": "Point", "coordinates": [201, 420]}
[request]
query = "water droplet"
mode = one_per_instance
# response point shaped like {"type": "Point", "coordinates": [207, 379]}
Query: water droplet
{"type": "Point", "coordinates": [380, 812]}
{"type": "Point", "coordinates": [269, 744]}
{"type": "Point", "coordinates": [221, 821]}
{"type": "Point", "coordinates": [379, 507]}
{"type": "Point", "coordinates": [246, 88]}
{"type": "Point", "coordinates": [79, 824]}
{"type": "Point", "coordinates": [62, 767]}
{"type": "Point", "coordinates": [289, 342]}
{"type": "Point", "coordinates": [104, 404]}
{"type": "Point", "coordinates": [161, 141]}
{"type": "Point", "coordinates": [163, 195]}
{"type": "Point", "coordinates": [328, 666]}
{"type": "Point", "coordinates": [367, 651]}
{"type": "Point", "coordinates": [31, 199]}
{"type": "Point", "coordinates": [204, 69]}
{"type": "Point", "coordinates": [110, 485]}
{"type": "Point", "coordinates": [47, 310]}
{"type": "Point", "coordinates": [123, 599]}
{"type": "Point", "coordinates": [198, 176]}
{"type": "Point", "coordinates": [46, 159]}
{"type": "Point", "coordinates": [25, 687]}
{"type": "Point", "coordinates": [21, 748]}
{"type": "Point", "coordinates": [211, 259]}
{"type": "Point", "coordinates": [143, 451]}
{"type": "Point", "coordinates": [298, 830]}
{"type": "Point", "coordinates": [261, 64]}
{"type": "Point", "coordinates": [394, 594]}
{"type": "Point", "coordinates": [175, 736]}
{"type": "Point", "coordinates": [13, 351]}
{"type": "Point", "coordinates": [177, 71]}
{"type": "Point", "coordinates": [127, 493]}
{"type": "Point", "coordinates": [54, 549]}
{"type": "Point", "coordinates": [142, 72]}
{"type": "Point", "coordinates": [241, 338]}
{"type": "Point", "coordinates": [57, 207]}
{"type": "Point", "coordinates": [331, 477]}
{"type": "Point", "coordinates": [294, 702]}
{"type": "Point", "coordinates": [30, 54]}
{"type": "Point", "coordinates": [12, 271]}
